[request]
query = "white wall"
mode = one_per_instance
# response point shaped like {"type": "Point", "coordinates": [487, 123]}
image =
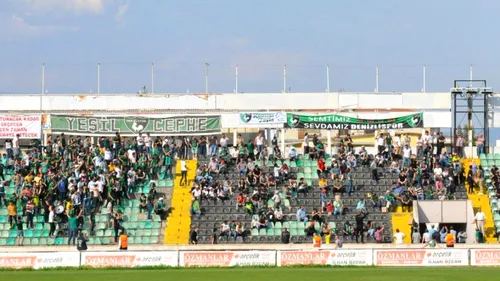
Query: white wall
{"type": "Point", "coordinates": [234, 102]}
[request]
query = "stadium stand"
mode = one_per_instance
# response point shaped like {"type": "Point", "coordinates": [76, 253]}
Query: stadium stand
{"type": "Point", "coordinates": [489, 205]}
{"type": "Point", "coordinates": [247, 193]}
{"type": "Point", "coordinates": [100, 189]}
{"type": "Point", "coordinates": [224, 182]}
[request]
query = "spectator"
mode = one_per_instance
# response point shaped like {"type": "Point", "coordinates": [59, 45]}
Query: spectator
{"type": "Point", "coordinates": [285, 236]}
{"type": "Point", "coordinates": [416, 237]}
{"type": "Point", "coordinates": [301, 214]}
{"type": "Point", "coordinates": [399, 237]}
{"type": "Point", "coordinates": [462, 236]}
{"type": "Point", "coordinates": [81, 242]}
{"type": "Point", "coordinates": [360, 226]}
{"type": "Point", "coordinates": [195, 208]}
{"type": "Point", "coordinates": [193, 236]}
{"type": "Point", "coordinates": [73, 229]}
{"type": "Point", "coordinates": [379, 234]}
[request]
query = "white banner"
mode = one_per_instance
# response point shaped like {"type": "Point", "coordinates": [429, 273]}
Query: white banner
{"type": "Point", "coordinates": [255, 118]}
{"type": "Point", "coordinates": [326, 257]}
{"type": "Point", "coordinates": [39, 260]}
{"type": "Point", "coordinates": [485, 257]}
{"type": "Point", "coordinates": [129, 259]}
{"type": "Point", "coordinates": [28, 127]}
{"type": "Point", "coordinates": [421, 257]}
{"type": "Point", "coordinates": [227, 258]}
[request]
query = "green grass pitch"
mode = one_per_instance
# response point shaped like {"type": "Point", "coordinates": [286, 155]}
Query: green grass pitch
{"type": "Point", "coordinates": [259, 274]}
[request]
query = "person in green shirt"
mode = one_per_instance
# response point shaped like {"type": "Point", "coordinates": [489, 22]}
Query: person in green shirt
{"type": "Point", "coordinates": [389, 198]}
{"type": "Point", "coordinates": [168, 167]}
{"type": "Point", "coordinates": [73, 228]}
{"type": "Point", "coordinates": [194, 147]}
{"type": "Point", "coordinates": [117, 143]}
{"type": "Point", "coordinates": [195, 208]}
{"type": "Point", "coordinates": [250, 150]}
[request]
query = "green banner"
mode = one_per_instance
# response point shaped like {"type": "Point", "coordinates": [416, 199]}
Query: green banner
{"type": "Point", "coordinates": [132, 125]}
{"type": "Point", "coordinates": [341, 122]}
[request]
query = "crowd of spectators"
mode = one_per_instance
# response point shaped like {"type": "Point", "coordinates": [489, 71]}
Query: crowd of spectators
{"type": "Point", "coordinates": [71, 179]}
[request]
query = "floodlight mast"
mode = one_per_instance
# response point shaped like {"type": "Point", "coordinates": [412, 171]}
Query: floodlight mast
{"type": "Point", "coordinates": [470, 97]}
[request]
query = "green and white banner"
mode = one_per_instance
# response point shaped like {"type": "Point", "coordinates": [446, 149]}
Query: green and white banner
{"type": "Point", "coordinates": [132, 125]}
{"type": "Point", "coordinates": [341, 122]}
{"type": "Point", "coordinates": [254, 118]}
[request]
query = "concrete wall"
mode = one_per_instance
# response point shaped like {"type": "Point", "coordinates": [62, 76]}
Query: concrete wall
{"type": "Point", "coordinates": [241, 102]}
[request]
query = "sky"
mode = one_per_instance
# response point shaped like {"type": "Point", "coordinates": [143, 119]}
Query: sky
{"type": "Point", "coordinates": [260, 36]}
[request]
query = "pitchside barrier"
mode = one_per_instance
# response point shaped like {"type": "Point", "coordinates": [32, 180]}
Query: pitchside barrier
{"type": "Point", "coordinates": [340, 257]}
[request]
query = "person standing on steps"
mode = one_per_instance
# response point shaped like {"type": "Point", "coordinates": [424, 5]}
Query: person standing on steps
{"type": "Point", "coordinates": [360, 225]}
{"type": "Point", "coordinates": [184, 170]}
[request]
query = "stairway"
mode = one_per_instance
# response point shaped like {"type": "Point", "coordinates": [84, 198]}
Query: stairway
{"type": "Point", "coordinates": [400, 221]}
{"type": "Point", "coordinates": [179, 220]}
{"type": "Point", "coordinates": [481, 202]}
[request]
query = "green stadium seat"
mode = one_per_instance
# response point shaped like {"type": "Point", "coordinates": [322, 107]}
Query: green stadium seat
{"type": "Point", "coordinates": [145, 240]}
{"type": "Point", "coordinates": [262, 231]}
{"type": "Point", "coordinates": [11, 241]}
{"type": "Point", "coordinates": [255, 232]}
{"type": "Point", "coordinates": [3, 241]}
{"type": "Point", "coordinates": [105, 241]}
{"type": "Point", "coordinates": [270, 231]}
{"type": "Point", "coordinates": [59, 241]}
{"type": "Point", "coordinates": [147, 232]}
{"type": "Point", "coordinates": [42, 241]}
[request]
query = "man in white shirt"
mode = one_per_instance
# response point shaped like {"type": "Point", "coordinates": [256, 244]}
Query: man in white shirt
{"type": "Point", "coordinates": [399, 237]}
{"type": "Point", "coordinates": [406, 156]}
{"type": "Point", "coordinates": [140, 143]}
{"type": "Point", "coordinates": [306, 143]}
{"type": "Point", "coordinates": [259, 142]}
{"type": "Point", "coordinates": [108, 156]}
{"type": "Point", "coordinates": [15, 146]}
{"type": "Point", "coordinates": [184, 170]}
{"type": "Point", "coordinates": [148, 141]}
{"type": "Point", "coordinates": [223, 141]}
{"type": "Point", "coordinates": [438, 172]}
{"type": "Point", "coordinates": [8, 148]}
{"type": "Point", "coordinates": [479, 220]}
{"type": "Point", "coordinates": [380, 143]}
{"type": "Point", "coordinates": [427, 237]}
